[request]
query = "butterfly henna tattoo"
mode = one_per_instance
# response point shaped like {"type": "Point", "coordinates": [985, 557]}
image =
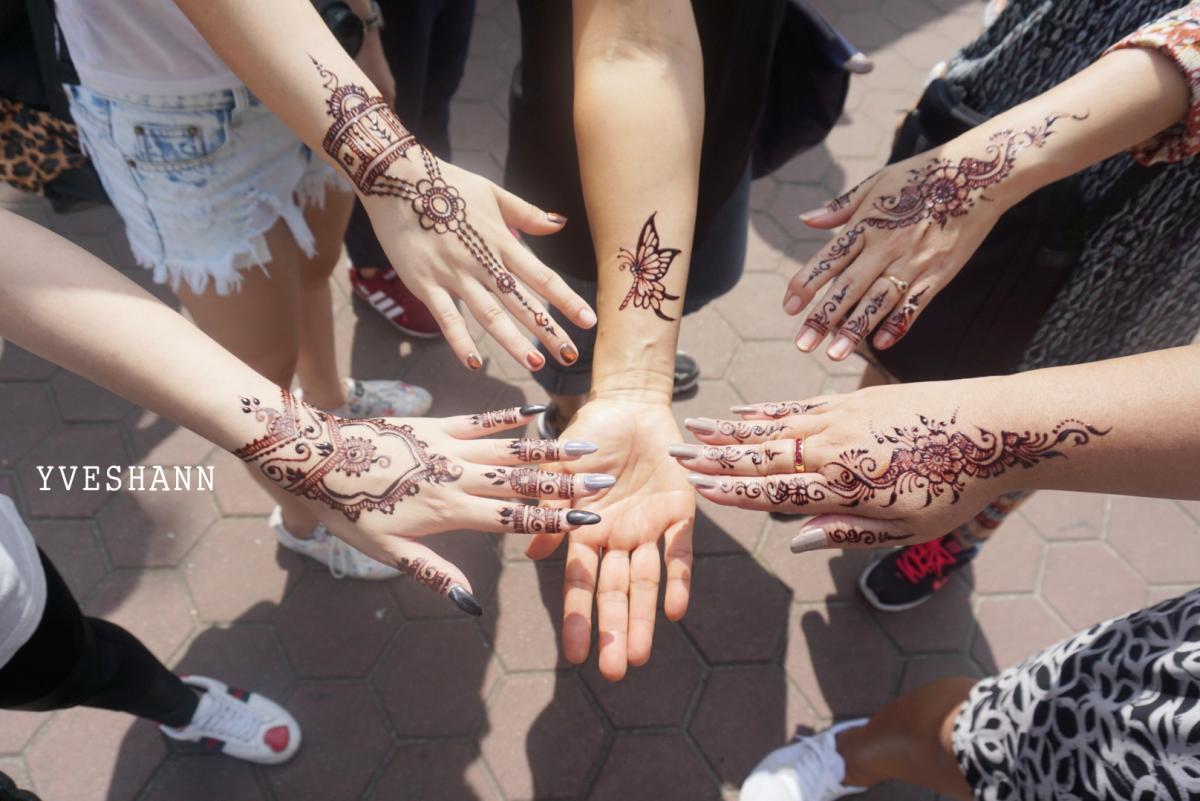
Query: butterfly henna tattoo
{"type": "Point", "coordinates": [648, 265]}
{"type": "Point", "coordinates": [315, 455]}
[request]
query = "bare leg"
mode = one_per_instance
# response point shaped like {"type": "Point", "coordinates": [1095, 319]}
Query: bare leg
{"type": "Point", "coordinates": [909, 740]}
{"type": "Point", "coordinates": [316, 365]}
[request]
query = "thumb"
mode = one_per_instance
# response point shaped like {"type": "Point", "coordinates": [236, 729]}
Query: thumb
{"type": "Point", "coordinates": [526, 217]}
{"type": "Point", "coordinates": [839, 210]}
{"type": "Point", "coordinates": [845, 531]}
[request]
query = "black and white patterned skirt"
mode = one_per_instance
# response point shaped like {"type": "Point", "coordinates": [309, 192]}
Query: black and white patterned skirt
{"type": "Point", "coordinates": [1112, 713]}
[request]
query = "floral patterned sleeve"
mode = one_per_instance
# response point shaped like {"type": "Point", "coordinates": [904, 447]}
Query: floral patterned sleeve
{"type": "Point", "coordinates": [1177, 35]}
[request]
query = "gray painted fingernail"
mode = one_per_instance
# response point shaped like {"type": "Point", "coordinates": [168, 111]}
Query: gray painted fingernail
{"type": "Point", "coordinates": [465, 601]}
{"type": "Point", "coordinates": [577, 448]}
{"type": "Point", "coordinates": [684, 451]}
{"type": "Point", "coordinates": [701, 424]}
{"type": "Point", "coordinates": [811, 539]}
{"type": "Point", "coordinates": [746, 409]}
{"type": "Point", "coordinates": [598, 481]}
{"type": "Point", "coordinates": [701, 481]}
{"type": "Point", "coordinates": [530, 409]}
{"type": "Point", "coordinates": [579, 517]}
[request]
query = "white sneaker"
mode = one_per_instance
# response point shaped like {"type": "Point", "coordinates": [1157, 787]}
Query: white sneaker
{"type": "Point", "coordinates": [340, 557]}
{"type": "Point", "coordinates": [239, 723]}
{"type": "Point", "coordinates": [365, 399]}
{"type": "Point", "coordinates": [810, 769]}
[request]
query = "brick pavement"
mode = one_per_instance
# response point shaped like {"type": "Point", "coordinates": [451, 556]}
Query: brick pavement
{"type": "Point", "coordinates": [400, 697]}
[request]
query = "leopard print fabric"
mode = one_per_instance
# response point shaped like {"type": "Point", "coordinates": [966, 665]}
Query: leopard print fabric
{"type": "Point", "coordinates": [37, 147]}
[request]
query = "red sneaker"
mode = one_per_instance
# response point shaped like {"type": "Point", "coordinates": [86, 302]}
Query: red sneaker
{"type": "Point", "coordinates": [387, 294]}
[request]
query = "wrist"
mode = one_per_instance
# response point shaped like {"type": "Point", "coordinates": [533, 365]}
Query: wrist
{"type": "Point", "coordinates": [637, 386]}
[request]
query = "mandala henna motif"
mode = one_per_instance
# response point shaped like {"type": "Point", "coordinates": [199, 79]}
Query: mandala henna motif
{"type": "Point", "coordinates": [897, 324]}
{"type": "Point", "coordinates": [315, 455]}
{"type": "Point", "coordinates": [535, 450]}
{"type": "Point", "coordinates": [648, 265]}
{"type": "Point", "coordinates": [857, 329]}
{"type": "Point", "coordinates": [529, 482]}
{"type": "Point", "coordinates": [367, 138]}
{"type": "Point", "coordinates": [820, 320]}
{"type": "Point", "coordinates": [526, 519]}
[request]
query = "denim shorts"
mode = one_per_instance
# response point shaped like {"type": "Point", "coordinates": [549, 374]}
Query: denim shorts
{"type": "Point", "coordinates": [199, 179]}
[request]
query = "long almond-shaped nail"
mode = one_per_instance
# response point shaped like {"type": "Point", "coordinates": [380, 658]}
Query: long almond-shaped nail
{"type": "Point", "coordinates": [568, 352]}
{"type": "Point", "coordinates": [807, 340]}
{"type": "Point", "coordinates": [473, 361]}
{"type": "Point", "coordinates": [701, 425]}
{"type": "Point", "coordinates": [465, 601]}
{"type": "Point", "coordinates": [578, 448]}
{"type": "Point", "coordinates": [556, 218]}
{"type": "Point", "coordinates": [535, 360]}
{"type": "Point", "coordinates": [684, 451]}
{"type": "Point", "coordinates": [746, 408]}
{"type": "Point", "coordinates": [702, 481]}
{"type": "Point", "coordinates": [530, 409]}
{"type": "Point", "coordinates": [814, 214]}
{"type": "Point", "coordinates": [581, 517]}
{"type": "Point", "coordinates": [792, 305]}
{"type": "Point", "coordinates": [598, 481]}
{"type": "Point", "coordinates": [811, 539]}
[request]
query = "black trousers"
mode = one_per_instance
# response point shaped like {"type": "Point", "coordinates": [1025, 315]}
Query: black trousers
{"type": "Point", "coordinates": [425, 42]}
{"type": "Point", "coordinates": [72, 660]}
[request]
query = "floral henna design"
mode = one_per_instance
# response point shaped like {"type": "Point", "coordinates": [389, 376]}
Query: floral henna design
{"type": "Point", "coordinates": [525, 519]}
{"type": "Point", "coordinates": [425, 573]}
{"type": "Point", "coordinates": [857, 329]}
{"type": "Point", "coordinates": [898, 322]}
{"type": "Point", "coordinates": [778, 491]}
{"type": "Point", "coordinates": [820, 320]}
{"type": "Point", "coordinates": [862, 536]}
{"type": "Point", "coordinates": [535, 450]}
{"type": "Point", "coordinates": [315, 455]}
{"type": "Point", "coordinates": [367, 137]}
{"type": "Point", "coordinates": [839, 249]}
{"type": "Point", "coordinates": [730, 455]}
{"type": "Point", "coordinates": [648, 265]}
{"type": "Point", "coordinates": [743, 431]}
{"type": "Point", "coordinates": [529, 482]}
{"type": "Point", "coordinates": [777, 410]}
{"type": "Point", "coordinates": [935, 459]}
{"type": "Point", "coordinates": [843, 200]}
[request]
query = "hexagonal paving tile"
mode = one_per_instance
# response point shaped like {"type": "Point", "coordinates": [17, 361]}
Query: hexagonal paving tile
{"type": "Point", "coordinates": [79, 400]}
{"type": "Point", "coordinates": [154, 529]}
{"type": "Point", "coordinates": [242, 655]}
{"type": "Point", "coordinates": [1010, 561]}
{"type": "Point", "coordinates": [345, 740]}
{"type": "Point", "coordinates": [792, 200]}
{"type": "Point", "coordinates": [18, 364]}
{"type": "Point", "coordinates": [1012, 629]}
{"type": "Point", "coordinates": [776, 369]}
{"type": "Point", "coordinates": [66, 448]}
{"type": "Point", "coordinates": [152, 604]}
{"type": "Point", "coordinates": [434, 678]}
{"type": "Point", "coordinates": [336, 628]}
{"type": "Point", "coordinates": [841, 661]}
{"type": "Point", "coordinates": [709, 337]}
{"type": "Point", "coordinates": [656, 694]}
{"type": "Point", "coordinates": [824, 575]}
{"type": "Point", "coordinates": [240, 572]}
{"type": "Point", "coordinates": [475, 126]}
{"type": "Point", "coordinates": [726, 529]}
{"type": "Point", "coordinates": [747, 631]}
{"type": "Point", "coordinates": [656, 766]}
{"type": "Point", "coordinates": [944, 623]}
{"type": "Point", "coordinates": [1086, 583]}
{"type": "Point", "coordinates": [743, 713]}
{"type": "Point", "coordinates": [530, 601]}
{"type": "Point", "coordinates": [475, 553]}
{"type": "Point", "coordinates": [14, 768]}
{"type": "Point", "coordinates": [157, 440]}
{"type": "Point", "coordinates": [435, 770]}
{"type": "Point", "coordinates": [202, 778]}
{"type": "Point", "coordinates": [25, 409]}
{"type": "Point", "coordinates": [545, 737]}
{"type": "Point", "coordinates": [921, 670]}
{"type": "Point", "coordinates": [1157, 537]}
{"type": "Point", "coordinates": [72, 547]}
{"type": "Point", "coordinates": [18, 728]}
{"type": "Point", "coordinates": [235, 492]}
{"type": "Point", "coordinates": [111, 755]}
{"type": "Point", "coordinates": [1067, 515]}
{"type": "Point", "coordinates": [754, 308]}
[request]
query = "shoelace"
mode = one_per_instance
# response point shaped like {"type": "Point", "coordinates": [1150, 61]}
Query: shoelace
{"type": "Point", "coordinates": [230, 718]}
{"type": "Point", "coordinates": [918, 561]}
{"type": "Point", "coordinates": [344, 560]}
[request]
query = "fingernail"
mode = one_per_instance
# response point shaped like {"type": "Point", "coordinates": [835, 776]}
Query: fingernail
{"type": "Point", "coordinates": [884, 340]}
{"type": "Point", "coordinates": [811, 539]}
{"type": "Point", "coordinates": [807, 340]}
{"type": "Point", "coordinates": [598, 481]}
{"type": "Point", "coordinates": [579, 517]}
{"type": "Point", "coordinates": [556, 218]}
{"type": "Point", "coordinates": [684, 451]}
{"type": "Point", "coordinates": [535, 360]}
{"type": "Point", "coordinates": [748, 408]}
{"type": "Point", "coordinates": [530, 409]}
{"type": "Point", "coordinates": [840, 349]}
{"type": "Point", "coordinates": [473, 361]}
{"type": "Point", "coordinates": [702, 481]}
{"type": "Point", "coordinates": [568, 353]}
{"type": "Point", "coordinates": [701, 425]}
{"type": "Point", "coordinates": [465, 600]}
{"type": "Point", "coordinates": [577, 448]}
{"type": "Point", "coordinates": [792, 305]}
{"type": "Point", "coordinates": [587, 318]}
{"type": "Point", "coordinates": [809, 216]}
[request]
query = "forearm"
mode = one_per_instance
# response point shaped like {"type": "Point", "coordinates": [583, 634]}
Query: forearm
{"type": "Point", "coordinates": [62, 303]}
{"type": "Point", "coordinates": [1136, 419]}
{"type": "Point", "coordinates": [639, 117]}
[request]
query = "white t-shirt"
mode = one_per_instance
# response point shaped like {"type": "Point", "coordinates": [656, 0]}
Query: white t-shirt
{"type": "Point", "coordinates": [140, 47]}
{"type": "Point", "coordinates": [22, 583]}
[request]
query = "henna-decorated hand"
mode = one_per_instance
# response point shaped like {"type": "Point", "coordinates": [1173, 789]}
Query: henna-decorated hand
{"type": "Point", "coordinates": [448, 233]}
{"type": "Point", "coordinates": [616, 562]}
{"type": "Point", "coordinates": [882, 465]}
{"type": "Point", "coordinates": [908, 230]}
{"type": "Point", "coordinates": [381, 484]}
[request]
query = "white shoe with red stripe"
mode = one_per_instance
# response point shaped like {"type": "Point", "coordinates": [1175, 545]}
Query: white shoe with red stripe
{"type": "Point", "coordinates": [239, 723]}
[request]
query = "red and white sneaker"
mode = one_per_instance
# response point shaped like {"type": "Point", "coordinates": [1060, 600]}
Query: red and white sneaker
{"type": "Point", "coordinates": [386, 293]}
{"type": "Point", "coordinates": [239, 723]}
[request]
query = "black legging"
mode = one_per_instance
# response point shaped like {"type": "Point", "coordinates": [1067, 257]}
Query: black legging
{"type": "Point", "coordinates": [72, 660]}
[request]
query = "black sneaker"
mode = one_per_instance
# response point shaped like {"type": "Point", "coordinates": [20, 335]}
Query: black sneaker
{"type": "Point", "coordinates": [909, 576]}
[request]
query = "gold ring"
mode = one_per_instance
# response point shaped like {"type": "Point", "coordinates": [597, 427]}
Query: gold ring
{"type": "Point", "coordinates": [899, 283]}
{"type": "Point", "coordinates": [799, 464]}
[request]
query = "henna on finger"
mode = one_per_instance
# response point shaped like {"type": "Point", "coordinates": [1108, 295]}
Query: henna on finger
{"type": "Point", "coordinates": [822, 319]}
{"type": "Point", "coordinates": [829, 536]}
{"type": "Point", "coordinates": [529, 482]}
{"type": "Point", "coordinates": [837, 251]}
{"type": "Point", "coordinates": [730, 455]}
{"type": "Point", "coordinates": [506, 417]}
{"type": "Point", "coordinates": [529, 519]}
{"type": "Point", "coordinates": [899, 321]}
{"type": "Point", "coordinates": [792, 490]}
{"type": "Point", "coordinates": [776, 410]}
{"type": "Point", "coordinates": [857, 328]}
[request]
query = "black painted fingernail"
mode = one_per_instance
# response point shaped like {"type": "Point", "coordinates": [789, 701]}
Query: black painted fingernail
{"type": "Point", "coordinates": [530, 409]}
{"type": "Point", "coordinates": [578, 517]}
{"type": "Point", "coordinates": [465, 601]}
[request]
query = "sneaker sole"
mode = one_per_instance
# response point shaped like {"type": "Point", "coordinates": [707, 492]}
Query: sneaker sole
{"type": "Point", "coordinates": [873, 599]}
{"type": "Point", "coordinates": [401, 328]}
